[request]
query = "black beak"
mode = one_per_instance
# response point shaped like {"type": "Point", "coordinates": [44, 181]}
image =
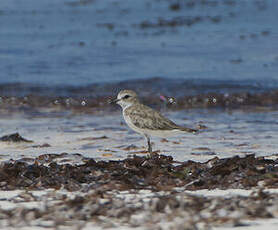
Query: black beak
{"type": "Point", "coordinates": [113, 101]}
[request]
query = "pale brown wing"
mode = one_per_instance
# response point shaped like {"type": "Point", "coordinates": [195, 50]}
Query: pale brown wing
{"type": "Point", "coordinates": [145, 117]}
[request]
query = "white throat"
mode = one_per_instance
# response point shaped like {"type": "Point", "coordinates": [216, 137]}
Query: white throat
{"type": "Point", "coordinates": [124, 105]}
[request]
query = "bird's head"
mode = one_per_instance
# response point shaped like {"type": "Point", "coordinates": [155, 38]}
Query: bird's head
{"type": "Point", "coordinates": [126, 98]}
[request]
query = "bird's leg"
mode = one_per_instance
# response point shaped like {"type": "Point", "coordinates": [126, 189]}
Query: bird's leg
{"type": "Point", "coordinates": [149, 144]}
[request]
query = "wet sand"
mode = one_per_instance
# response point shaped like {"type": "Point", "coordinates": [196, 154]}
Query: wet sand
{"type": "Point", "coordinates": [223, 133]}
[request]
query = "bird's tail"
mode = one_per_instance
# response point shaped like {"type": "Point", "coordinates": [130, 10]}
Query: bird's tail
{"type": "Point", "coordinates": [188, 130]}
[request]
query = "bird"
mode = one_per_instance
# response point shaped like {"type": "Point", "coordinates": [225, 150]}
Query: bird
{"type": "Point", "coordinates": [145, 120]}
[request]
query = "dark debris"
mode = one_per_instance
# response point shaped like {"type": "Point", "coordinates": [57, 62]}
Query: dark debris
{"type": "Point", "coordinates": [157, 173]}
{"type": "Point", "coordinates": [100, 200]}
{"type": "Point", "coordinates": [15, 137]}
{"type": "Point", "coordinates": [35, 105]}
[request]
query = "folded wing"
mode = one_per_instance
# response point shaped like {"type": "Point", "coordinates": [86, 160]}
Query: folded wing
{"type": "Point", "coordinates": [145, 117]}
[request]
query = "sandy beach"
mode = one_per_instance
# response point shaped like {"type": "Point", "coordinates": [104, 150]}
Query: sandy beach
{"type": "Point", "coordinates": [91, 171]}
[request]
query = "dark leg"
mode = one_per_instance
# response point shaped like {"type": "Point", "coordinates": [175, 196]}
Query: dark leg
{"type": "Point", "coordinates": [149, 144]}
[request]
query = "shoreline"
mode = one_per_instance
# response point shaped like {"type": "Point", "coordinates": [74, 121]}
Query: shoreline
{"type": "Point", "coordinates": [34, 104]}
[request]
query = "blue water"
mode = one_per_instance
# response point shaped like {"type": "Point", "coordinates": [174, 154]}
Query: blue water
{"type": "Point", "coordinates": [77, 43]}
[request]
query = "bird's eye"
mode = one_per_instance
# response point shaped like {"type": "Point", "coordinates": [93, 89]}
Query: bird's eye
{"type": "Point", "coordinates": [126, 96]}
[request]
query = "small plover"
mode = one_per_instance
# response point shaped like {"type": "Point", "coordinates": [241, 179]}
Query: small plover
{"type": "Point", "coordinates": [144, 120]}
